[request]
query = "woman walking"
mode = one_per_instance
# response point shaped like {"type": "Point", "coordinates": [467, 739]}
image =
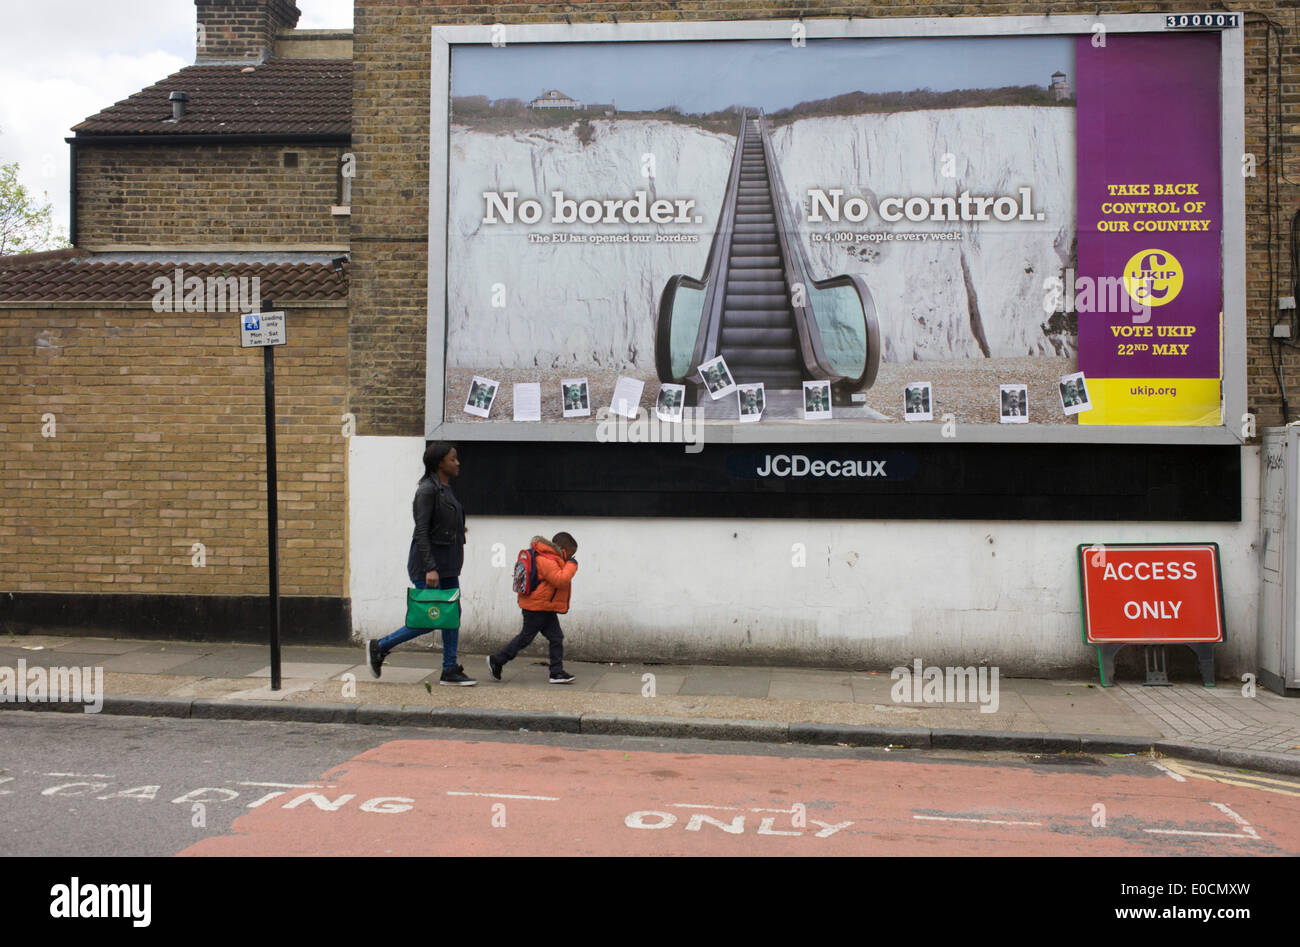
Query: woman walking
{"type": "Point", "coordinates": [436, 556]}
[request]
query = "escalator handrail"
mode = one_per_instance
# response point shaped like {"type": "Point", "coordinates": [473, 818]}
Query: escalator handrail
{"type": "Point", "coordinates": [718, 253]}
{"type": "Point", "coordinates": [718, 245]}
{"type": "Point", "coordinates": [798, 270]}
{"type": "Point", "coordinates": [706, 342]}
{"type": "Point", "coordinates": [664, 327]}
{"type": "Point", "coordinates": [872, 367]}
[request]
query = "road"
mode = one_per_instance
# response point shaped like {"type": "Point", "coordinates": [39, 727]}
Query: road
{"type": "Point", "coordinates": [92, 785]}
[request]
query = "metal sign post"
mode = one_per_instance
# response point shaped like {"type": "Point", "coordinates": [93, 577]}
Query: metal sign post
{"type": "Point", "coordinates": [266, 329]}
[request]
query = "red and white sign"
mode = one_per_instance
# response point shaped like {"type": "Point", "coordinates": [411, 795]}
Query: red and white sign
{"type": "Point", "coordinates": [1151, 594]}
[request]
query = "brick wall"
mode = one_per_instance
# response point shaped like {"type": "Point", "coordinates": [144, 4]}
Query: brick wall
{"type": "Point", "coordinates": [159, 444]}
{"type": "Point", "coordinates": [1263, 394]}
{"type": "Point", "coordinates": [390, 194]}
{"type": "Point", "coordinates": [202, 195]}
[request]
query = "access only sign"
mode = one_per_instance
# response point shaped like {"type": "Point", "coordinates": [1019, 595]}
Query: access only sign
{"type": "Point", "coordinates": [1168, 593]}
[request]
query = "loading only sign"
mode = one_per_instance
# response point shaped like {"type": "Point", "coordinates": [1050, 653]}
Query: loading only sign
{"type": "Point", "coordinates": [261, 328]}
{"type": "Point", "coordinates": [1151, 594]}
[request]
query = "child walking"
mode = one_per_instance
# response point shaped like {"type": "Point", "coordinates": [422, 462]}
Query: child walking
{"type": "Point", "coordinates": [543, 606]}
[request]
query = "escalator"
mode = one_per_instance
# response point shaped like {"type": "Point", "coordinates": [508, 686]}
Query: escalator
{"type": "Point", "coordinates": [756, 304]}
{"type": "Point", "coordinates": [757, 334]}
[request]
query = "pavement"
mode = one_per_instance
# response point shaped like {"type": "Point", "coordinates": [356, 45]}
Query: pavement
{"type": "Point", "coordinates": [1223, 724]}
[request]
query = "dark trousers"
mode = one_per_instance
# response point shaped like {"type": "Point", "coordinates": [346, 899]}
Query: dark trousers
{"type": "Point", "coordinates": [547, 624]}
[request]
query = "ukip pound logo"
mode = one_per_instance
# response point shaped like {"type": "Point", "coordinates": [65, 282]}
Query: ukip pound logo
{"type": "Point", "coordinates": [1153, 277]}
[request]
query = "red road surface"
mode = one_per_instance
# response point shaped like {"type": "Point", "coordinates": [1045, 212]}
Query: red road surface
{"type": "Point", "coordinates": [444, 797]}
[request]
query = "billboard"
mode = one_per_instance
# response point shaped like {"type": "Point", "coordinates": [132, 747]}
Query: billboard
{"type": "Point", "coordinates": [879, 231]}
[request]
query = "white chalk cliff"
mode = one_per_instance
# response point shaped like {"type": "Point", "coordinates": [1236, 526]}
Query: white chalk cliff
{"type": "Point", "coordinates": [937, 299]}
{"type": "Point", "coordinates": [590, 306]}
{"type": "Point", "coordinates": [572, 305]}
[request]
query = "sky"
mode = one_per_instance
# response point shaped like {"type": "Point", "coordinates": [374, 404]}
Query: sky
{"type": "Point", "coordinates": [62, 61]}
{"type": "Point", "coordinates": [773, 74]}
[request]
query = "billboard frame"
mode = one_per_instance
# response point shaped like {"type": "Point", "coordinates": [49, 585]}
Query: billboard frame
{"type": "Point", "coordinates": [1233, 249]}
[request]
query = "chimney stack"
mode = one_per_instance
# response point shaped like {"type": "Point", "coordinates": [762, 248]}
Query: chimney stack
{"type": "Point", "coordinates": [241, 30]}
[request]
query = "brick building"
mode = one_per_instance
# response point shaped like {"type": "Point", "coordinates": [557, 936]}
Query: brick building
{"type": "Point", "coordinates": [142, 509]}
{"type": "Point", "coordinates": [158, 443]}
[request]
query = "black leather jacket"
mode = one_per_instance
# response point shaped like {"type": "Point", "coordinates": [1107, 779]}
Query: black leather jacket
{"type": "Point", "coordinates": [437, 520]}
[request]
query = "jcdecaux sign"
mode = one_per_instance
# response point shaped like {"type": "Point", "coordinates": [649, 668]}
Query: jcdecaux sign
{"type": "Point", "coordinates": [822, 465]}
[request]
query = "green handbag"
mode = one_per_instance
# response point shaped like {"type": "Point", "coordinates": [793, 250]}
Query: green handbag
{"type": "Point", "coordinates": [433, 608]}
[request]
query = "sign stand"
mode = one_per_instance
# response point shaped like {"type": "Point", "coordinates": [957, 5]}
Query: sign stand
{"type": "Point", "coordinates": [267, 330]}
{"type": "Point", "coordinates": [1157, 669]}
{"type": "Point", "coordinates": [1204, 663]}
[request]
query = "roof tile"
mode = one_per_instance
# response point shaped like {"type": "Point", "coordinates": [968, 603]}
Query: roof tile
{"type": "Point", "coordinates": [80, 280]}
{"type": "Point", "coordinates": [278, 97]}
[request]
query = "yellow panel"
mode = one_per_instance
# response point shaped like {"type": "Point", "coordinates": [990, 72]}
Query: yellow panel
{"type": "Point", "coordinates": [1160, 401]}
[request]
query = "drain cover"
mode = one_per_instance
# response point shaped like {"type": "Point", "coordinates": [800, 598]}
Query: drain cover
{"type": "Point", "coordinates": [1061, 759]}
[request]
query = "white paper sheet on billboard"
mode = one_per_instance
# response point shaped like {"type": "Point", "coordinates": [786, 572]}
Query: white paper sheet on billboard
{"type": "Point", "coordinates": [627, 396]}
{"type": "Point", "coordinates": [528, 401]}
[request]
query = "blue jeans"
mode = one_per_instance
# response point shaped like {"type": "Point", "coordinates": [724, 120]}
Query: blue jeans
{"type": "Point", "coordinates": [450, 636]}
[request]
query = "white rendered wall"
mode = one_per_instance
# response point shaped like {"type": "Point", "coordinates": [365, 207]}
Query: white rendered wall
{"type": "Point", "coordinates": [872, 593]}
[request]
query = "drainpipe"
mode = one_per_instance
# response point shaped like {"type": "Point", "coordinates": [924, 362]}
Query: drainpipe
{"type": "Point", "coordinates": [72, 191]}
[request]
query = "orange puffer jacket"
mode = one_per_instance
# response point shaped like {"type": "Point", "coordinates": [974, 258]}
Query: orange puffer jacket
{"type": "Point", "coordinates": [554, 579]}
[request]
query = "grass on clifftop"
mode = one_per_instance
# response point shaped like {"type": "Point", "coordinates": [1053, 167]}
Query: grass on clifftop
{"type": "Point", "coordinates": [503, 115]}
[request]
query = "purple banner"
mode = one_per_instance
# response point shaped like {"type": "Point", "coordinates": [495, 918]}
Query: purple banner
{"type": "Point", "coordinates": [1149, 287]}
